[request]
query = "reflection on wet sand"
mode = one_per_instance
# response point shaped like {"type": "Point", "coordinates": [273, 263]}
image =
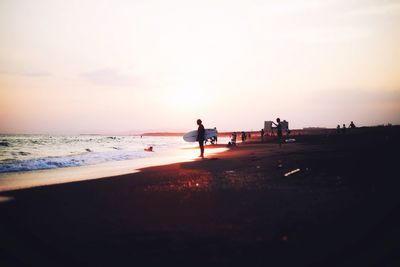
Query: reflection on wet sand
{"type": "Point", "coordinates": [20, 180]}
{"type": "Point", "coordinates": [5, 199]}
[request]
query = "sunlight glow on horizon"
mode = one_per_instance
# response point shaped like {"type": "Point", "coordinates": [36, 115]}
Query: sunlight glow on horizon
{"type": "Point", "coordinates": [120, 66]}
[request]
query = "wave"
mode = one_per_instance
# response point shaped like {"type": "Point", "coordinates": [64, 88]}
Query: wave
{"type": "Point", "coordinates": [38, 152]}
{"type": "Point", "coordinates": [90, 158]}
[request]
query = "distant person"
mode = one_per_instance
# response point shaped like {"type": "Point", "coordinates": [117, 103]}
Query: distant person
{"type": "Point", "coordinates": [200, 137]}
{"type": "Point", "coordinates": [338, 129]}
{"type": "Point", "coordinates": [243, 137]}
{"type": "Point", "coordinates": [262, 135]}
{"type": "Point", "coordinates": [352, 125]}
{"type": "Point", "coordinates": [233, 140]}
{"type": "Point", "coordinates": [344, 129]}
{"type": "Point", "coordinates": [279, 130]}
{"type": "Point", "coordinates": [287, 133]}
{"type": "Point", "coordinates": [212, 140]}
{"type": "Point", "coordinates": [216, 135]}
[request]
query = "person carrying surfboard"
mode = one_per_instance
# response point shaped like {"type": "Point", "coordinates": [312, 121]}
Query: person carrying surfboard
{"type": "Point", "coordinates": [279, 131]}
{"type": "Point", "coordinates": [200, 137]}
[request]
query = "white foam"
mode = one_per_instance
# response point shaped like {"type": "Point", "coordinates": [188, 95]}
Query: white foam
{"type": "Point", "coordinates": [27, 153]}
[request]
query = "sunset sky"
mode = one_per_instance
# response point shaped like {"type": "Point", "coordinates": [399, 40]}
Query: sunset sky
{"type": "Point", "coordinates": [115, 66]}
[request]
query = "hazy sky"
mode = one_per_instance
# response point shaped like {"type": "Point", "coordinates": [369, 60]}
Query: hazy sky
{"type": "Point", "coordinates": [114, 66]}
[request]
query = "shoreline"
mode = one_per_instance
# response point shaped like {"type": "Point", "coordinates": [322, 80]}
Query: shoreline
{"type": "Point", "coordinates": [234, 209]}
{"type": "Point", "coordinates": [29, 179]}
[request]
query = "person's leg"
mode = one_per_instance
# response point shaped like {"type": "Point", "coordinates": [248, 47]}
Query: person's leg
{"type": "Point", "coordinates": [201, 145]}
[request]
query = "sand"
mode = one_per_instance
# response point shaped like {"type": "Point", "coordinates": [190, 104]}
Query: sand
{"type": "Point", "coordinates": [236, 208]}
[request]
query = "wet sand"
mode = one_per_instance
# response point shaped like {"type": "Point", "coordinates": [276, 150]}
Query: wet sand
{"type": "Point", "coordinates": [236, 208]}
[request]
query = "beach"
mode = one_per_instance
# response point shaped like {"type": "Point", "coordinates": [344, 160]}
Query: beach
{"type": "Point", "coordinates": [324, 200]}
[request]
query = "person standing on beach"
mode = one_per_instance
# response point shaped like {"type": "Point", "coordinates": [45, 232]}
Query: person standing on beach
{"type": "Point", "coordinates": [279, 130]}
{"type": "Point", "coordinates": [262, 135]}
{"type": "Point", "coordinates": [200, 137]}
{"type": "Point", "coordinates": [243, 137]}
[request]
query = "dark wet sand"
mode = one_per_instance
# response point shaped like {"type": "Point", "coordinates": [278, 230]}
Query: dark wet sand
{"type": "Point", "coordinates": [233, 209]}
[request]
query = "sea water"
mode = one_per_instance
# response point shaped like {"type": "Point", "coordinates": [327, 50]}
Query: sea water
{"type": "Point", "coordinates": [38, 152]}
{"type": "Point", "coordinates": [32, 160]}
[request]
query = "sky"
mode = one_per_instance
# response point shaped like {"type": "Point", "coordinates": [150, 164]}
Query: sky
{"type": "Point", "coordinates": [125, 66]}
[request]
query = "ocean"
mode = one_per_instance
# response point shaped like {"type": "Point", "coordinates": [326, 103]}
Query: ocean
{"type": "Point", "coordinates": [34, 160]}
{"type": "Point", "coordinates": [38, 152]}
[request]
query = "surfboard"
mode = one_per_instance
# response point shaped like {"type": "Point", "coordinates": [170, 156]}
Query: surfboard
{"type": "Point", "coordinates": [192, 135]}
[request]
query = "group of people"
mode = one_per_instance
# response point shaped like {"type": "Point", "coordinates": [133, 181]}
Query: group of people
{"type": "Point", "coordinates": [343, 130]}
{"type": "Point", "coordinates": [202, 140]}
{"type": "Point", "coordinates": [243, 135]}
{"type": "Point", "coordinates": [278, 125]}
{"type": "Point", "coordinates": [201, 135]}
{"type": "Point", "coordinates": [213, 139]}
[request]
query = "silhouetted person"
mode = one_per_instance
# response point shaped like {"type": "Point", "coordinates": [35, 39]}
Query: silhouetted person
{"type": "Point", "coordinates": [279, 130]}
{"type": "Point", "coordinates": [233, 140]}
{"type": "Point", "coordinates": [338, 129]}
{"type": "Point", "coordinates": [200, 137]}
{"type": "Point", "coordinates": [352, 125]}
{"type": "Point", "coordinates": [149, 149]}
{"type": "Point", "coordinates": [344, 129]}
{"type": "Point", "coordinates": [243, 137]}
{"type": "Point", "coordinates": [262, 135]}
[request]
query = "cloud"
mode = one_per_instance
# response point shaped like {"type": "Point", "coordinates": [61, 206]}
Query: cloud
{"type": "Point", "coordinates": [317, 35]}
{"type": "Point", "coordinates": [377, 10]}
{"type": "Point", "coordinates": [110, 77]}
{"type": "Point", "coordinates": [37, 73]}
{"type": "Point", "coordinates": [27, 73]}
{"type": "Point", "coordinates": [289, 7]}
